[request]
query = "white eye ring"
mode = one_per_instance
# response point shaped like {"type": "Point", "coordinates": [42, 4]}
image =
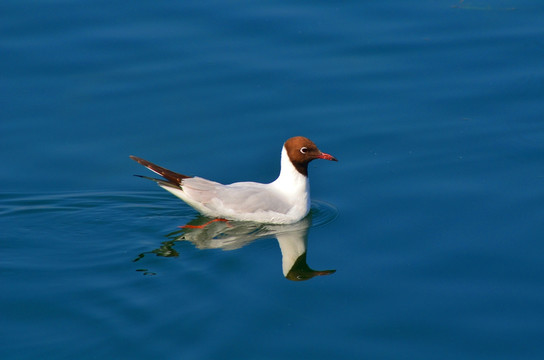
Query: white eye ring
{"type": "Point", "coordinates": [303, 149]}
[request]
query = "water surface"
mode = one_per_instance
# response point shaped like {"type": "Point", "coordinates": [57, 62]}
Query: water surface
{"type": "Point", "coordinates": [432, 218]}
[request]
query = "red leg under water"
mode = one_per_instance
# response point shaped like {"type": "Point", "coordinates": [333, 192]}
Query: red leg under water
{"type": "Point", "coordinates": [204, 225]}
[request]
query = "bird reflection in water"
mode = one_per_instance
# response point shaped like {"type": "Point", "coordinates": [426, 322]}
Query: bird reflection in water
{"type": "Point", "coordinates": [206, 233]}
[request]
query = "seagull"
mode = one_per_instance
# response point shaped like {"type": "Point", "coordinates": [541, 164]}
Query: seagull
{"type": "Point", "coordinates": [286, 200]}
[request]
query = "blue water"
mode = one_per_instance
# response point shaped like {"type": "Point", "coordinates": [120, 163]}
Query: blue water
{"type": "Point", "coordinates": [432, 218]}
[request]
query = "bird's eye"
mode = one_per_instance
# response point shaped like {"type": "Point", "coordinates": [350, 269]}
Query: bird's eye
{"type": "Point", "coordinates": [303, 149]}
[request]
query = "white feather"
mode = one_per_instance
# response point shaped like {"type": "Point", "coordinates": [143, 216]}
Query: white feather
{"type": "Point", "coordinates": [283, 201]}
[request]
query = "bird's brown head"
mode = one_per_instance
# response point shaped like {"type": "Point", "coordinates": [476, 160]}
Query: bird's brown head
{"type": "Point", "coordinates": [301, 151]}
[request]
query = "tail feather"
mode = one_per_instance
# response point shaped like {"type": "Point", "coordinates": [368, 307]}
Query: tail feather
{"type": "Point", "coordinates": [173, 177]}
{"type": "Point", "coordinates": [159, 182]}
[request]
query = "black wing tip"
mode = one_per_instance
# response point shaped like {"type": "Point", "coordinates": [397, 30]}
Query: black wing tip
{"type": "Point", "coordinates": [159, 182]}
{"type": "Point", "coordinates": [173, 177]}
{"type": "Point", "coordinates": [139, 160]}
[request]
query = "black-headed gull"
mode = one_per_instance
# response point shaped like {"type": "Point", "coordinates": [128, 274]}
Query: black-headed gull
{"type": "Point", "coordinates": [286, 200]}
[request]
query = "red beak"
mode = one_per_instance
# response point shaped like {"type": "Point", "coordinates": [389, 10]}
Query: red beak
{"type": "Point", "coordinates": [326, 157]}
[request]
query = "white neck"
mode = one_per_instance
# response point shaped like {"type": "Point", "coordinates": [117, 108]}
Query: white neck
{"type": "Point", "coordinates": [290, 180]}
{"type": "Point", "coordinates": [292, 246]}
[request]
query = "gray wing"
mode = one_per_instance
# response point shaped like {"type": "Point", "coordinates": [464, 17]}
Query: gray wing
{"type": "Point", "coordinates": [238, 197]}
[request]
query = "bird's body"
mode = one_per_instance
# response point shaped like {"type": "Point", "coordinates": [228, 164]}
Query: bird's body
{"type": "Point", "coordinates": [283, 201]}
